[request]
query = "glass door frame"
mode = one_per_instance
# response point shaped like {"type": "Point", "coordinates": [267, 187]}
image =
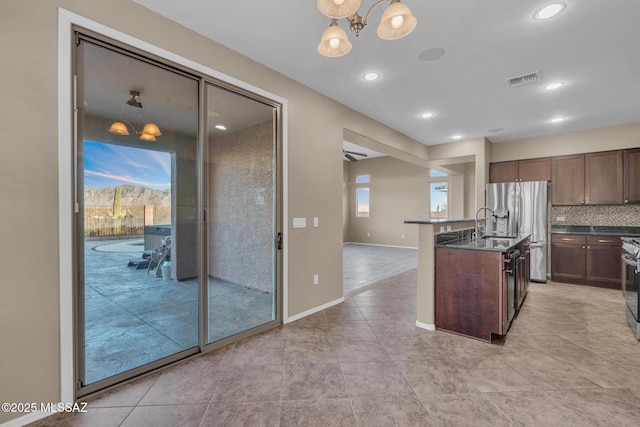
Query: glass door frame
{"type": "Point", "coordinates": [280, 188]}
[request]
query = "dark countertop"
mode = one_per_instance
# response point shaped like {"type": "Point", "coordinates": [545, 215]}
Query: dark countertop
{"type": "Point", "coordinates": [438, 221]}
{"type": "Point", "coordinates": [596, 230]}
{"type": "Point", "coordinates": [463, 239]}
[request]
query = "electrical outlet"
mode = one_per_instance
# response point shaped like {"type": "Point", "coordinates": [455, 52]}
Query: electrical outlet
{"type": "Point", "coordinates": [368, 234]}
{"type": "Point", "coordinates": [561, 219]}
{"type": "Point", "coordinates": [315, 221]}
{"type": "Point", "coordinates": [315, 279]}
{"type": "Point", "coordinates": [403, 236]}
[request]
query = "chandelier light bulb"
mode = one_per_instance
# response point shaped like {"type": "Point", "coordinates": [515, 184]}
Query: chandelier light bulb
{"type": "Point", "coordinates": [397, 21]}
{"type": "Point", "coordinates": [338, 2]}
{"type": "Point", "coordinates": [334, 43]}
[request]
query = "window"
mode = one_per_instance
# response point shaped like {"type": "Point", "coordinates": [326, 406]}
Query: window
{"type": "Point", "coordinates": [438, 194]}
{"type": "Point", "coordinates": [362, 197]}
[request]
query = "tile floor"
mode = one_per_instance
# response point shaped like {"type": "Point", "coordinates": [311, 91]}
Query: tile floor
{"type": "Point", "coordinates": [366, 264]}
{"type": "Point", "coordinates": [569, 360]}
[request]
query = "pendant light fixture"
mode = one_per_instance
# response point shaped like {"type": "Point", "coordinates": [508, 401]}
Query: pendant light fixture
{"type": "Point", "coordinates": [148, 132]}
{"type": "Point", "coordinates": [397, 21]}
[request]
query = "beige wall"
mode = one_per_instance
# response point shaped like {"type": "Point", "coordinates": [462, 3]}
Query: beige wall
{"type": "Point", "coordinates": [398, 191]}
{"type": "Point", "coordinates": [609, 138]}
{"type": "Point", "coordinates": [29, 300]}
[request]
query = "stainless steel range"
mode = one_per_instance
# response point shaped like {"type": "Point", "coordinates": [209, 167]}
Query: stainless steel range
{"type": "Point", "coordinates": [631, 281]}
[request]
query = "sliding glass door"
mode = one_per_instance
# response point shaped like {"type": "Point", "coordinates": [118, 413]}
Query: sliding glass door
{"type": "Point", "coordinates": [241, 225]}
{"type": "Point", "coordinates": [177, 213]}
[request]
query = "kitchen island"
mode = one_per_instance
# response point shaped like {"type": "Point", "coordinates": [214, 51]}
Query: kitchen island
{"type": "Point", "coordinates": [480, 283]}
{"type": "Point", "coordinates": [427, 230]}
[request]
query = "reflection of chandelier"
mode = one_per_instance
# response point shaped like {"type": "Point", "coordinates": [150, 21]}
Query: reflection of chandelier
{"type": "Point", "coordinates": [148, 132]}
{"type": "Point", "coordinates": [397, 21]}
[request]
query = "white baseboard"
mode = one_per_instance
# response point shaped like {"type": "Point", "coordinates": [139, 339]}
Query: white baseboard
{"type": "Point", "coordinates": [426, 326]}
{"type": "Point", "coordinates": [313, 310]}
{"type": "Point", "coordinates": [376, 244]}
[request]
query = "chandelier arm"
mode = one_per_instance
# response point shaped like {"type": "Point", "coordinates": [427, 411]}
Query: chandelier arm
{"type": "Point", "coordinates": [366, 17]}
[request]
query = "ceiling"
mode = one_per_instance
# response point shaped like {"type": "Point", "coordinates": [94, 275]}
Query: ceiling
{"type": "Point", "coordinates": [169, 99]}
{"type": "Point", "coordinates": [591, 47]}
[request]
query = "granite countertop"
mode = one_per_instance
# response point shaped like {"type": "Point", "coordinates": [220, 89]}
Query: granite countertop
{"type": "Point", "coordinates": [438, 221]}
{"type": "Point", "coordinates": [596, 230]}
{"type": "Point", "coordinates": [463, 239]}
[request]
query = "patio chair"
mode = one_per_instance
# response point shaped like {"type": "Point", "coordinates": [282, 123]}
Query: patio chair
{"type": "Point", "coordinates": [158, 257]}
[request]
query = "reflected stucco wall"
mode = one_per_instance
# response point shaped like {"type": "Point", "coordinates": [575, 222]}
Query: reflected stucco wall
{"type": "Point", "coordinates": [241, 210]}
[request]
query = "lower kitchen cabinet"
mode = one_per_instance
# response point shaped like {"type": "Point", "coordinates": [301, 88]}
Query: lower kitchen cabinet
{"type": "Point", "coordinates": [586, 259]}
{"type": "Point", "coordinates": [603, 260]}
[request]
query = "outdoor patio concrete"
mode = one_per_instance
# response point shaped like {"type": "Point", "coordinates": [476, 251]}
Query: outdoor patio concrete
{"type": "Point", "coordinates": [133, 318]}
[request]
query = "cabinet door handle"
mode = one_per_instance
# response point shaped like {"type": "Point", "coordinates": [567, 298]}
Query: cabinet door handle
{"type": "Point", "coordinates": [605, 241]}
{"type": "Point", "coordinates": [583, 247]}
{"type": "Point", "coordinates": [567, 240]}
{"type": "Point", "coordinates": [582, 201]}
{"type": "Point", "coordinates": [626, 201]}
{"type": "Point", "coordinates": [588, 247]}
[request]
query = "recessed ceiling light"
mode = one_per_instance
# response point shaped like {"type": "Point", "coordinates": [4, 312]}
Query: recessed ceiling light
{"type": "Point", "coordinates": [549, 11]}
{"type": "Point", "coordinates": [426, 115]}
{"type": "Point", "coordinates": [456, 137]}
{"type": "Point", "coordinates": [553, 86]}
{"type": "Point", "coordinates": [557, 120]}
{"type": "Point", "coordinates": [371, 76]}
{"type": "Point", "coordinates": [221, 127]}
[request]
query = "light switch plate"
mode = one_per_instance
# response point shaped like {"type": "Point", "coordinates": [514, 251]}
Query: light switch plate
{"type": "Point", "coordinates": [315, 221]}
{"type": "Point", "coordinates": [561, 219]}
{"type": "Point", "coordinates": [299, 222]}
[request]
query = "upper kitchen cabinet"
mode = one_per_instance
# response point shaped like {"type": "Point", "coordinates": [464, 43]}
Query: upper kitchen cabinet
{"type": "Point", "coordinates": [603, 178]}
{"type": "Point", "coordinates": [521, 170]}
{"type": "Point", "coordinates": [567, 180]}
{"type": "Point", "coordinates": [632, 176]}
{"type": "Point", "coordinates": [587, 179]}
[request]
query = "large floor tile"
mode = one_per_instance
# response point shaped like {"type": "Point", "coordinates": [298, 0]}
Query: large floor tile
{"type": "Point", "coordinates": [317, 413]}
{"type": "Point", "coordinates": [313, 381]}
{"type": "Point", "coordinates": [386, 411]}
{"type": "Point", "coordinates": [165, 416]}
{"type": "Point", "coordinates": [375, 379]}
{"type": "Point", "coordinates": [259, 414]}
{"type": "Point", "coordinates": [471, 409]}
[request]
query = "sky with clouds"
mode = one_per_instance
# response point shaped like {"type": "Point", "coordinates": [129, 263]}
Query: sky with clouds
{"type": "Point", "coordinates": [107, 165]}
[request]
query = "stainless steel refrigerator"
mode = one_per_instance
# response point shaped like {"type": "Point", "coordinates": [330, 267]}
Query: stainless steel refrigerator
{"type": "Point", "coordinates": [521, 207]}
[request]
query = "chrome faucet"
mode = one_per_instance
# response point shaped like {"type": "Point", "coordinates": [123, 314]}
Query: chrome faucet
{"type": "Point", "coordinates": [477, 212]}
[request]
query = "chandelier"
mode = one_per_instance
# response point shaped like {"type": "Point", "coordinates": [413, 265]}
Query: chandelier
{"type": "Point", "coordinates": [397, 22]}
{"type": "Point", "coordinates": [148, 132]}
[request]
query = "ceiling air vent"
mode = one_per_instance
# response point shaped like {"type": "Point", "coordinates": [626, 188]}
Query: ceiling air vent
{"type": "Point", "coordinates": [523, 79]}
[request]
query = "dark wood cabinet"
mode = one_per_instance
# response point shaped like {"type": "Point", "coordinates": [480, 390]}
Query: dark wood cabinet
{"type": "Point", "coordinates": [587, 179]}
{"type": "Point", "coordinates": [568, 260]}
{"type": "Point", "coordinates": [603, 260]}
{"type": "Point", "coordinates": [590, 260]}
{"type": "Point", "coordinates": [471, 292]}
{"type": "Point", "coordinates": [503, 172]}
{"type": "Point", "coordinates": [631, 176]}
{"type": "Point", "coordinates": [521, 170]}
{"type": "Point", "coordinates": [567, 180]}
{"type": "Point", "coordinates": [603, 178]}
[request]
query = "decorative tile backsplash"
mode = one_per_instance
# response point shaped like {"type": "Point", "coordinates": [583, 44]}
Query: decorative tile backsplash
{"type": "Point", "coordinates": [607, 215]}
